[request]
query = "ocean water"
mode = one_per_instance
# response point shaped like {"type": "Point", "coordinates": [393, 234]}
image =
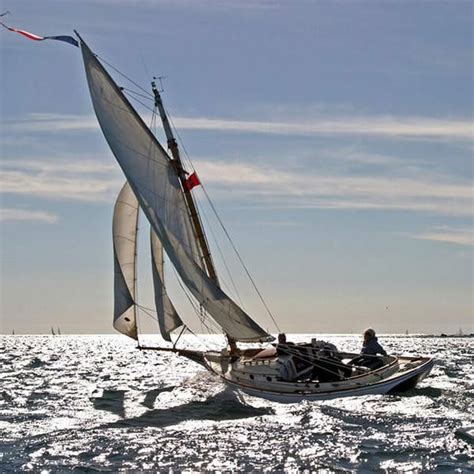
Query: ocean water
{"type": "Point", "coordinates": [96, 403]}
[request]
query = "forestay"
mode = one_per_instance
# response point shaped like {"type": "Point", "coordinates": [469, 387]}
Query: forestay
{"type": "Point", "coordinates": [154, 181]}
{"type": "Point", "coordinates": [124, 232]}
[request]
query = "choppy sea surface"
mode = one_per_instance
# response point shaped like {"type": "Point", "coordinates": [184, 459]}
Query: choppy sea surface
{"type": "Point", "coordinates": [97, 403]}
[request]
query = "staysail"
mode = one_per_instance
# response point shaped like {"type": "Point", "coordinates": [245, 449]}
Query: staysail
{"type": "Point", "coordinates": [124, 232]}
{"type": "Point", "coordinates": [168, 317]}
{"type": "Point", "coordinates": [154, 181]}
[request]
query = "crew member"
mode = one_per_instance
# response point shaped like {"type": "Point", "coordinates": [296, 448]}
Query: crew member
{"type": "Point", "coordinates": [371, 345]}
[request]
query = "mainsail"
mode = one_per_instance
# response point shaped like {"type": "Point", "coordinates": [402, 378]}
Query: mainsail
{"type": "Point", "coordinates": [153, 178]}
{"type": "Point", "coordinates": [168, 317]}
{"type": "Point", "coordinates": [124, 232]}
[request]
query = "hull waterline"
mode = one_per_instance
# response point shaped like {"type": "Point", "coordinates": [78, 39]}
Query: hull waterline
{"type": "Point", "coordinates": [396, 384]}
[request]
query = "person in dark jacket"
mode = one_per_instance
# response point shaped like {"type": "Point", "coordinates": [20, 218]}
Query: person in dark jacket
{"type": "Point", "coordinates": [371, 345]}
{"type": "Point", "coordinates": [282, 346]}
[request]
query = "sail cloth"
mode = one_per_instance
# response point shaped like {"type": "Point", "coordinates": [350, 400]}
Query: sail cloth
{"type": "Point", "coordinates": [154, 181]}
{"type": "Point", "coordinates": [168, 317]}
{"type": "Point", "coordinates": [124, 231]}
{"type": "Point", "coordinates": [31, 36]}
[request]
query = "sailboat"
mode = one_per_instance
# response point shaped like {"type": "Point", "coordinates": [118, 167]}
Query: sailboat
{"type": "Point", "coordinates": [158, 185]}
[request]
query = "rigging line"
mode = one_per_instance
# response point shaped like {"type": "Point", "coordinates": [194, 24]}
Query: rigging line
{"type": "Point", "coordinates": [135, 269]}
{"type": "Point", "coordinates": [202, 211]}
{"type": "Point", "coordinates": [224, 229]}
{"type": "Point", "coordinates": [144, 308]}
{"type": "Point", "coordinates": [136, 93]}
{"type": "Point", "coordinates": [181, 141]}
{"type": "Point", "coordinates": [144, 65]}
{"type": "Point", "coordinates": [241, 261]}
{"type": "Point", "coordinates": [216, 242]}
{"type": "Point", "coordinates": [312, 357]}
{"type": "Point", "coordinates": [147, 313]}
{"type": "Point", "coordinates": [179, 336]}
{"type": "Point", "coordinates": [153, 116]}
{"type": "Point", "coordinates": [207, 343]}
{"type": "Point", "coordinates": [137, 100]}
{"type": "Point", "coordinates": [210, 321]}
{"type": "Point", "coordinates": [123, 75]}
{"type": "Point", "coordinates": [319, 366]}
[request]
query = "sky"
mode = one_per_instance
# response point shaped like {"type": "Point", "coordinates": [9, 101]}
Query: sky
{"type": "Point", "coordinates": [334, 138]}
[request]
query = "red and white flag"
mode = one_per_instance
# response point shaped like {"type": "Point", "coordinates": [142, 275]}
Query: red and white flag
{"type": "Point", "coordinates": [31, 36]}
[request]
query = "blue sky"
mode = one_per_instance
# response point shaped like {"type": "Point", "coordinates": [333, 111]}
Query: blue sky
{"type": "Point", "coordinates": [335, 138]}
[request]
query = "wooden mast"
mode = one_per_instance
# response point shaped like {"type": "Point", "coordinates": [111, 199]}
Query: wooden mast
{"type": "Point", "coordinates": [193, 211]}
{"type": "Point", "coordinates": [173, 147]}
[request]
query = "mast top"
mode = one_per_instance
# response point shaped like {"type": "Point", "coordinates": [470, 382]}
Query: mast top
{"type": "Point", "coordinates": [153, 83]}
{"type": "Point", "coordinates": [164, 118]}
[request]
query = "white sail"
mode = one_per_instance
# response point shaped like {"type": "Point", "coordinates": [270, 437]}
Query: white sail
{"type": "Point", "coordinates": [154, 181]}
{"type": "Point", "coordinates": [168, 318]}
{"type": "Point", "coordinates": [124, 231]}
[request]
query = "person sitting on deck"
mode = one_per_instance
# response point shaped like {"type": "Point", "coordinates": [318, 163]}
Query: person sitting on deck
{"type": "Point", "coordinates": [282, 346]}
{"type": "Point", "coordinates": [371, 345]}
{"type": "Point", "coordinates": [370, 350]}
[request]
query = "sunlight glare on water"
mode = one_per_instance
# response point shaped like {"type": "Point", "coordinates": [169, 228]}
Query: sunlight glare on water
{"type": "Point", "coordinates": [95, 402]}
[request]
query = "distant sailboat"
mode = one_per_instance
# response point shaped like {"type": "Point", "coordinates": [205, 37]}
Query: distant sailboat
{"type": "Point", "coordinates": [158, 184]}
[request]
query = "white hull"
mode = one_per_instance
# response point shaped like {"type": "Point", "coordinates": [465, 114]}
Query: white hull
{"type": "Point", "coordinates": [399, 375]}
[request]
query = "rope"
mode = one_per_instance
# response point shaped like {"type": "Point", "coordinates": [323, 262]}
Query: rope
{"type": "Point", "coordinates": [136, 93]}
{"type": "Point", "coordinates": [197, 309]}
{"type": "Point", "coordinates": [128, 94]}
{"type": "Point", "coordinates": [234, 286]}
{"type": "Point", "coordinates": [311, 360]}
{"type": "Point", "coordinates": [224, 228]}
{"type": "Point", "coordinates": [147, 312]}
{"type": "Point", "coordinates": [124, 76]}
{"type": "Point", "coordinates": [241, 261]}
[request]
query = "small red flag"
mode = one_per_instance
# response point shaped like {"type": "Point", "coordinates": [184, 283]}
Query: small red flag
{"type": "Point", "coordinates": [192, 181]}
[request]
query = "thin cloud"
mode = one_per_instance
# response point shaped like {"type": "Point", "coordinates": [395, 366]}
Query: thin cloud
{"type": "Point", "coordinates": [449, 235]}
{"type": "Point", "coordinates": [286, 189]}
{"type": "Point", "coordinates": [376, 126]}
{"type": "Point", "coordinates": [53, 123]}
{"type": "Point", "coordinates": [369, 126]}
{"type": "Point", "coordinates": [88, 181]}
{"type": "Point", "coordinates": [51, 166]}
{"type": "Point", "coordinates": [9, 214]}
{"type": "Point", "coordinates": [93, 181]}
{"type": "Point", "coordinates": [58, 187]}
